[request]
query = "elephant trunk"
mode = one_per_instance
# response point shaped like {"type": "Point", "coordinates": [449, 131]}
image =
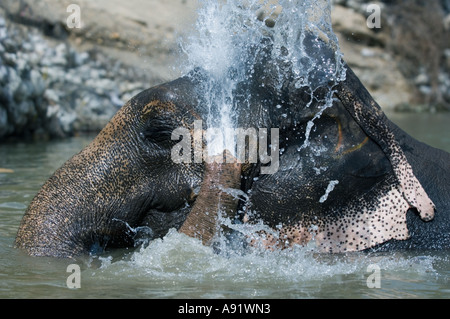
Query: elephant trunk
{"type": "Point", "coordinates": [214, 200]}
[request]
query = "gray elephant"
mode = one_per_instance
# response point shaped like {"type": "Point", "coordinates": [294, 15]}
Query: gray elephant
{"type": "Point", "coordinates": [379, 188]}
{"type": "Point", "coordinates": [361, 183]}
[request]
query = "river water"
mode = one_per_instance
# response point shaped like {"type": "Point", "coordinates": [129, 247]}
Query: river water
{"type": "Point", "coordinates": [180, 267]}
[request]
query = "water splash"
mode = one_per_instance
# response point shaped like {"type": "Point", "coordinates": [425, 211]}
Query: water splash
{"type": "Point", "coordinates": [180, 266]}
{"type": "Point", "coordinates": [304, 40]}
{"type": "Point", "coordinates": [224, 32]}
{"type": "Point", "coordinates": [290, 40]}
{"type": "Point", "coordinates": [329, 189]}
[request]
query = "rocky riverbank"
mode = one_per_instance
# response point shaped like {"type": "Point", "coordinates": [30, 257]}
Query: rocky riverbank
{"type": "Point", "coordinates": [405, 63]}
{"type": "Point", "coordinates": [56, 81]}
{"type": "Point", "coordinates": [48, 89]}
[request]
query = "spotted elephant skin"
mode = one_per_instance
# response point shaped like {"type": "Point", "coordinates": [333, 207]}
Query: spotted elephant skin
{"type": "Point", "coordinates": [362, 183]}
{"type": "Point", "coordinates": [354, 182]}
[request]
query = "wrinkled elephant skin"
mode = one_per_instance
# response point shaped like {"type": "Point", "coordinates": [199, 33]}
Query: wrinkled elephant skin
{"type": "Point", "coordinates": [360, 182]}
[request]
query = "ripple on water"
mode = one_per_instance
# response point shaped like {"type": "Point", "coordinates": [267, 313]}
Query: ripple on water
{"type": "Point", "coordinates": [178, 266]}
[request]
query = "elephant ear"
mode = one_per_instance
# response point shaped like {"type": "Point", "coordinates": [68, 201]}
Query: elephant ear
{"type": "Point", "coordinates": [369, 116]}
{"type": "Point", "coordinates": [375, 213]}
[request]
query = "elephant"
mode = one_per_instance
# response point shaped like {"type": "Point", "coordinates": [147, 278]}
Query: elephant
{"type": "Point", "coordinates": [352, 181]}
{"type": "Point", "coordinates": [123, 185]}
{"type": "Point", "coordinates": [365, 183]}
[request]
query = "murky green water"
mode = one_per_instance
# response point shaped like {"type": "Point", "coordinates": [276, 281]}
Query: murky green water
{"type": "Point", "coordinates": [180, 267]}
{"type": "Point", "coordinates": [432, 129]}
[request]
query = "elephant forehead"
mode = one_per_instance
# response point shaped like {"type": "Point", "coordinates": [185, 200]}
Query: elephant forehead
{"type": "Point", "coordinates": [158, 106]}
{"type": "Point", "coordinates": [128, 119]}
{"type": "Point", "coordinates": [169, 113]}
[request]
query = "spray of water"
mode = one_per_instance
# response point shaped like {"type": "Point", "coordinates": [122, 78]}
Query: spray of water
{"type": "Point", "coordinates": [292, 38]}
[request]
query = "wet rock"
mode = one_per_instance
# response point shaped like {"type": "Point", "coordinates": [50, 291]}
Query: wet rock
{"type": "Point", "coordinates": [37, 83]}
{"type": "Point", "coordinates": [3, 122]}
{"type": "Point", "coordinates": [52, 90]}
{"type": "Point", "coordinates": [364, 51]}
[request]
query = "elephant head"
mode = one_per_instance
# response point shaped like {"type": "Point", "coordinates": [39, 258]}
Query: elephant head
{"type": "Point", "coordinates": [124, 184]}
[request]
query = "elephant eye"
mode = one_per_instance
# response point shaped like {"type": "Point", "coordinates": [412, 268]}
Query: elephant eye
{"type": "Point", "coordinates": [158, 130]}
{"type": "Point", "coordinates": [158, 134]}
